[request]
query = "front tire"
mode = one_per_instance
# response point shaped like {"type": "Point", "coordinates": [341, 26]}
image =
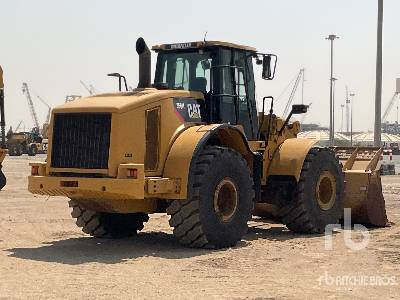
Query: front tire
{"type": "Point", "coordinates": [319, 196]}
{"type": "Point", "coordinates": [107, 225]}
{"type": "Point", "coordinates": [33, 150]}
{"type": "Point", "coordinates": [219, 203]}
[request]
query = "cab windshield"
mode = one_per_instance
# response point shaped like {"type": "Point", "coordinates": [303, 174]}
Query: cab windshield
{"type": "Point", "coordinates": [184, 70]}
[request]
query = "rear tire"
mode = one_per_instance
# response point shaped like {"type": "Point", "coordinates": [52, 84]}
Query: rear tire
{"type": "Point", "coordinates": [219, 203]}
{"type": "Point", "coordinates": [107, 225]}
{"type": "Point", "coordinates": [15, 150]}
{"type": "Point", "coordinates": [12, 150]}
{"type": "Point", "coordinates": [319, 196]}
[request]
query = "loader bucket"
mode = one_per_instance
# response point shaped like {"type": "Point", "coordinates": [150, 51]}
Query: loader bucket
{"type": "Point", "coordinates": [363, 191]}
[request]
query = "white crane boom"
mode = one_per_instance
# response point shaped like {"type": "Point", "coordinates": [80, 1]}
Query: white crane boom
{"type": "Point", "coordinates": [91, 90]}
{"type": "Point", "coordinates": [49, 109]}
{"type": "Point", "coordinates": [293, 93]}
{"type": "Point", "coordinates": [389, 107]}
{"type": "Point", "coordinates": [25, 90]}
{"type": "Point", "coordinates": [19, 125]}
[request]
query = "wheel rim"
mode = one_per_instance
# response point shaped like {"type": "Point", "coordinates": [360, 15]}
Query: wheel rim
{"type": "Point", "coordinates": [326, 190]}
{"type": "Point", "coordinates": [226, 199]}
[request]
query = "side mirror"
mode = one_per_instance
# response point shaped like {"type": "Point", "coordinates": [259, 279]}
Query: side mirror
{"type": "Point", "coordinates": [298, 109]}
{"type": "Point", "coordinates": [269, 66]}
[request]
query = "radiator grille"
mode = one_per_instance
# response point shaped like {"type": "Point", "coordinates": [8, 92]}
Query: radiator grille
{"type": "Point", "coordinates": [81, 140]}
{"type": "Point", "coordinates": [152, 138]}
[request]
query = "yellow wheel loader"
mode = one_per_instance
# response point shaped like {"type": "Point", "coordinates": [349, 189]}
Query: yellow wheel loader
{"type": "Point", "coordinates": [3, 151]}
{"type": "Point", "coordinates": [25, 143]}
{"type": "Point", "coordinates": [193, 145]}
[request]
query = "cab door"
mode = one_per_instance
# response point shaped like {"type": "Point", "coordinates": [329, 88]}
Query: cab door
{"type": "Point", "coordinates": [233, 94]}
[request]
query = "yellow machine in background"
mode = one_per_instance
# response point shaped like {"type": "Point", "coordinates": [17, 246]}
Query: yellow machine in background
{"type": "Point", "coordinates": [193, 145]}
{"type": "Point", "coordinates": [3, 151]}
{"type": "Point", "coordinates": [29, 143]}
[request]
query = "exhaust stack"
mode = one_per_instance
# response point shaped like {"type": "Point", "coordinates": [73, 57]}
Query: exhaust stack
{"type": "Point", "coordinates": [144, 63]}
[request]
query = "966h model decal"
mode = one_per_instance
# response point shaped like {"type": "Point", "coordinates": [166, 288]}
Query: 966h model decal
{"type": "Point", "coordinates": [188, 109]}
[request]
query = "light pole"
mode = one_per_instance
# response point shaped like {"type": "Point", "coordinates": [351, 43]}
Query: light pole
{"type": "Point", "coordinates": [351, 118]}
{"type": "Point", "coordinates": [331, 37]}
{"type": "Point", "coordinates": [347, 111]}
{"type": "Point", "coordinates": [333, 109]}
{"type": "Point", "coordinates": [302, 86]}
{"type": "Point", "coordinates": [341, 126]}
{"type": "Point", "coordinates": [378, 89]}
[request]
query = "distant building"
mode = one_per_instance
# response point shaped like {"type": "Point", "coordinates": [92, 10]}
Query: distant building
{"type": "Point", "coordinates": [389, 141]}
{"type": "Point", "coordinates": [312, 127]}
{"type": "Point", "coordinates": [322, 136]}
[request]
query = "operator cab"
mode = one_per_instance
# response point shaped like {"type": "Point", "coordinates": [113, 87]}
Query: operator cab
{"type": "Point", "coordinates": [222, 71]}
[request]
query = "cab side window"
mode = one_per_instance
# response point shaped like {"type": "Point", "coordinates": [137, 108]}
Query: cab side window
{"type": "Point", "coordinates": [182, 73]}
{"type": "Point", "coordinates": [202, 80]}
{"type": "Point", "coordinates": [241, 89]}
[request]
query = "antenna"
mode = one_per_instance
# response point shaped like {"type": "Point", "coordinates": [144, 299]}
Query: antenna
{"type": "Point", "coordinates": [205, 35]}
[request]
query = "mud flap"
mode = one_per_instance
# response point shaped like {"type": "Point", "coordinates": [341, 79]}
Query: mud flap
{"type": "Point", "coordinates": [363, 191]}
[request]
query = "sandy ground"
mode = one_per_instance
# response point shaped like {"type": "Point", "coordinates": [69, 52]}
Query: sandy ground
{"type": "Point", "coordinates": [44, 255]}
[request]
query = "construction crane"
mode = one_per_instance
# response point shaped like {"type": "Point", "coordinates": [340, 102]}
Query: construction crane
{"type": "Point", "coordinates": [293, 93]}
{"type": "Point", "coordinates": [47, 121]}
{"type": "Point", "coordinates": [44, 131]}
{"type": "Point", "coordinates": [389, 107]}
{"type": "Point", "coordinates": [19, 125]}
{"type": "Point", "coordinates": [91, 90]}
{"type": "Point", "coordinates": [25, 90]}
{"type": "Point", "coordinates": [305, 114]}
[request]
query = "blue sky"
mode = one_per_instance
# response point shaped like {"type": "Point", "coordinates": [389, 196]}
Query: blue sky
{"type": "Point", "coordinates": [52, 45]}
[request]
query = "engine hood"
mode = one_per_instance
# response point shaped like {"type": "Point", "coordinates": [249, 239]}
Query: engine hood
{"type": "Point", "coordinates": [122, 102]}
